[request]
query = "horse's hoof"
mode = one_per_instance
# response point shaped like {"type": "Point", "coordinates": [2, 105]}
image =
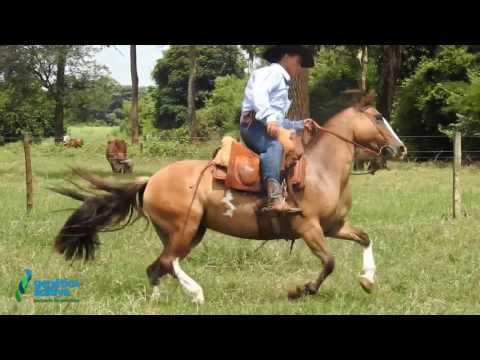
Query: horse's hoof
{"type": "Point", "coordinates": [296, 293]}
{"type": "Point", "coordinates": [308, 289]}
{"type": "Point", "coordinates": [199, 300]}
{"type": "Point", "coordinates": [366, 284]}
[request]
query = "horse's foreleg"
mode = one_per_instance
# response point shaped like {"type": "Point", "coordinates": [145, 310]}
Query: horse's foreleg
{"type": "Point", "coordinates": [348, 232]}
{"type": "Point", "coordinates": [314, 238]}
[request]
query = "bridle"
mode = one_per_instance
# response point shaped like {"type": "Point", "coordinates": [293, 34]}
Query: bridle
{"type": "Point", "coordinates": [375, 153]}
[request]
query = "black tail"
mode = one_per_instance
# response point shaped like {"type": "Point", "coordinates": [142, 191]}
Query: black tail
{"type": "Point", "coordinates": [100, 212]}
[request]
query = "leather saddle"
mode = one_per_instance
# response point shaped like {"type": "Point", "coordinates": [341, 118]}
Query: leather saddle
{"type": "Point", "coordinates": [239, 167]}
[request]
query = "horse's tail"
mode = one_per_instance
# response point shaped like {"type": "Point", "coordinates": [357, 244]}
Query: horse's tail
{"type": "Point", "coordinates": [78, 238]}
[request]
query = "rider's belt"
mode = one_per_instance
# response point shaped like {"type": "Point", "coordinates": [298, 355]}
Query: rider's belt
{"type": "Point", "coordinates": [248, 118]}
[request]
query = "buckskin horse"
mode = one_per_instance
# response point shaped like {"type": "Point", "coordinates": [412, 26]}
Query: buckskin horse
{"type": "Point", "coordinates": [183, 200]}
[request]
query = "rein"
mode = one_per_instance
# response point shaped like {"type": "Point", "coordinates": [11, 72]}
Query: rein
{"type": "Point", "coordinates": [363, 147]}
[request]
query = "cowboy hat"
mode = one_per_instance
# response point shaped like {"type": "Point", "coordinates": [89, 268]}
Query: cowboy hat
{"type": "Point", "coordinates": [274, 53]}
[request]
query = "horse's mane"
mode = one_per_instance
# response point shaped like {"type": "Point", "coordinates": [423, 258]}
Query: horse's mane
{"type": "Point", "coordinates": [361, 99]}
{"type": "Point", "coordinates": [357, 99]}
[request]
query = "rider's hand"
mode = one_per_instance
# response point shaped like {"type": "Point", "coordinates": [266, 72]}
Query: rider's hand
{"type": "Point", "coordinates": [309, 124]}
{"type": "Point", "coordinates": [273, 129]}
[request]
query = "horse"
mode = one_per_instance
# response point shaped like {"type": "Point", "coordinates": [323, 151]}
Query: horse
{"type": "Point", "coordinates": [183, 200]}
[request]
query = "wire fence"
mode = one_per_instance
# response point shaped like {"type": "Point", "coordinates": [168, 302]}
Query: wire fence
{"type": "Point", "coordinates": [440, 148]}
{"type": "Point", "coordinates": [420, 148]}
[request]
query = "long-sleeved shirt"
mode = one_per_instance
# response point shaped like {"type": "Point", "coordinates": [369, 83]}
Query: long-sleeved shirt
{"type": "Point", "coordinates": [267, 95]}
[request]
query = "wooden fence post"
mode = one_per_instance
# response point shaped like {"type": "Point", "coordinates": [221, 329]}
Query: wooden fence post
{"type": "Point", "coordinates": [457, 165]}
{"type": "Point", "coordinates": [27, 142]}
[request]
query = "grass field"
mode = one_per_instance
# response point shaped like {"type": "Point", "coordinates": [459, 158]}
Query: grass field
{"type": "Point", "coordinates": [427, 263]}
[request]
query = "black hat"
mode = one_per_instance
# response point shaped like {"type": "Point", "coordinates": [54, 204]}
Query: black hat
{"type": "Point", "coordinates": [274, 53]}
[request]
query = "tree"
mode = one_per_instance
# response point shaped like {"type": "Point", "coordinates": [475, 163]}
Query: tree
{"type": "Point", "coordinates": [50, 65]}
{"type": "Point", "coordinates": [252, 51]}
{"type": "Point", "coordinates": [134, 111]}
{"type": "Point", "coordinates": [423, 104]}
{"type": "Point", "coordinates": [94, 100]}
{"type": "Point", "coordinates": [24, 105]}
{"type": "Point", "coordinates": [362, 57]}
{"type": "Point", "coordinates": [192, 93]}
{"type": "Point", "coordinates": [391, 67]}
{"type": "Point", "coordinates": [300, 108]}
{"type": "Point", "coordinates": [172, 73]}
{"type": "Point", "coordinates": [60, 93]}
{"type": "Point", "coordinates": [336, 70]}
{"type": "Point", "coordinates": [222, 109]}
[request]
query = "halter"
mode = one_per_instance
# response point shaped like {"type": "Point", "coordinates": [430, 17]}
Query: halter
{"type": "Point", "coordinates": [363, 147]}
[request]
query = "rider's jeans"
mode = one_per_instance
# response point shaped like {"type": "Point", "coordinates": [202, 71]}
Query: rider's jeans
{"type": "Point", "coordinates": [270, 150]}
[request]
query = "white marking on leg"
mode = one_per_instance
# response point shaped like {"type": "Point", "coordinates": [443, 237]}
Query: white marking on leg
{"type": "Point", "coordinates": [156, 293]}
{"type": "Point", "coordinates": [188, 283]}
{"type": "Point", "coordinates": [369, 264]}
{"type": "Point", "coordinates": [228, 201]}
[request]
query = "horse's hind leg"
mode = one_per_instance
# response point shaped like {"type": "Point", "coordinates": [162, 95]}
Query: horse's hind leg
{"type": "Point", "coordinates": [176, 247]}
{"type": "Point", "coordinates": [314, 238]}
{"type": "Point", "coordinates": [347, 232]}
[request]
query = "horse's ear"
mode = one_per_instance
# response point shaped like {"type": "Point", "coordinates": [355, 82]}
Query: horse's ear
{"type": "Point", "coordinates": [353, 97]}
{"type": "Point", "coordinates": [368, 99]}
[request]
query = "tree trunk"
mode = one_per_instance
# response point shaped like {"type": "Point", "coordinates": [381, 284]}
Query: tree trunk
{"type": "Point", "coordinates": [27, 142]}
{"type": "Point", "coordinates": [192, 93]}
{"type": "Point", "coordinates": [392, 61]}
{"type": "Point", "coordinates": [300, 109]}
{"type": "Point", "coordinates": [60, 94]}
{"type": "Point", "coordinates": [363, 59]}
{"type": "Point", "coordinates": [251, 61]}
{"type": "Point", "coordinates": [134, 110]}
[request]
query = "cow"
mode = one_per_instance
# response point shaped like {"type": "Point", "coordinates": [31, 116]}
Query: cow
{"type": "Point", "coordinates": [117, 156]}
{"type": "Point", "coordinates": [70, 142]}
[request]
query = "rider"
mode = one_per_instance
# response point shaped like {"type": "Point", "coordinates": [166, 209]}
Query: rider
{"type": "Point", "coordinates": [264, 110]}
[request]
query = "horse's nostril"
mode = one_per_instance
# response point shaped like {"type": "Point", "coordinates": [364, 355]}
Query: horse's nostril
{"type": "Point", "coordinates": [402, 149]}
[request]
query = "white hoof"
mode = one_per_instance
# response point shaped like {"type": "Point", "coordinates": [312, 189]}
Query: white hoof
{"type": "Point", "coordinates": [199, 299]}
{"type": "Point", "coordinates": [156, 293]}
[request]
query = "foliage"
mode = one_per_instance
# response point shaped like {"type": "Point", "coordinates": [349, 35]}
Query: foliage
{"type": "Point", "coordinates": [222, 109]}
{"type": "Point", "coordinates": [336, 70]}
{"type": "Point", "coordinates": [464, 101]}
{"type": "Point", "coordinates": [171, 76]}
{"type": "Point", "coordinates": [146, 105]}
{"type": "Point", "coordinates": [423, 103]}
{"type": "Point", "coordinates": [25, 107]}
{"type": "Point", "coordinates": [28, 84]}
{"type": "Point", "coordinates": [88, 101]}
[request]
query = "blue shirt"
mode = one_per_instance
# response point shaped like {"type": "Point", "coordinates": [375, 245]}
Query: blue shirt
{"type": "Point", "coordinates": [267, 94]}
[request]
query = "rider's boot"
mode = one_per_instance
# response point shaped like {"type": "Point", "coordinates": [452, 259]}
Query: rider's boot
{"type": "Point", "coordinates": [276, 203]}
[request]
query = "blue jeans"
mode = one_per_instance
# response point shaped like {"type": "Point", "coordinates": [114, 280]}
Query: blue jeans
{"type": "Point", "coordinates": [269, 149]}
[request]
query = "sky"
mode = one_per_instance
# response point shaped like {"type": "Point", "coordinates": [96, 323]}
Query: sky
{"type": "Point", "coordinates": [117, 59]}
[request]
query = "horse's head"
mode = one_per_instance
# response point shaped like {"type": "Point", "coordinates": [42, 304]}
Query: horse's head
{"type": "Point", "coordinates": [372, 130]}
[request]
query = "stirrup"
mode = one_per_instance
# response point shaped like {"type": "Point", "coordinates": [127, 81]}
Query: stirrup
{"type": "Point", "coordinates": [286, 209]}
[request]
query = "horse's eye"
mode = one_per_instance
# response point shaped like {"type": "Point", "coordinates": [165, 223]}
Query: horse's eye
{"type": "Point", "coordinates": [379, 118]}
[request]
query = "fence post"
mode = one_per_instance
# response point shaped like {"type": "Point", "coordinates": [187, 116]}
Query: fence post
{"type": "Point", "coordinates": [27, 142]}
{"type": "Point", "coordinates": [457, 165]}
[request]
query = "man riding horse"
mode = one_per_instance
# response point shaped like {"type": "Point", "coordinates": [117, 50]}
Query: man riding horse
{"type": "Point", "coordinates": [264, 109]}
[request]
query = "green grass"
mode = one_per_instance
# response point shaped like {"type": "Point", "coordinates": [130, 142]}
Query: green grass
{"type": "Point", "coordinates": [427, 263]}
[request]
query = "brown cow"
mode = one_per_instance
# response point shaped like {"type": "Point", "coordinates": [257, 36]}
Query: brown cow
{"type": "Point", "coordinates": [117, 156]}
{"type": "Point", "coordinates": [71, 142]}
